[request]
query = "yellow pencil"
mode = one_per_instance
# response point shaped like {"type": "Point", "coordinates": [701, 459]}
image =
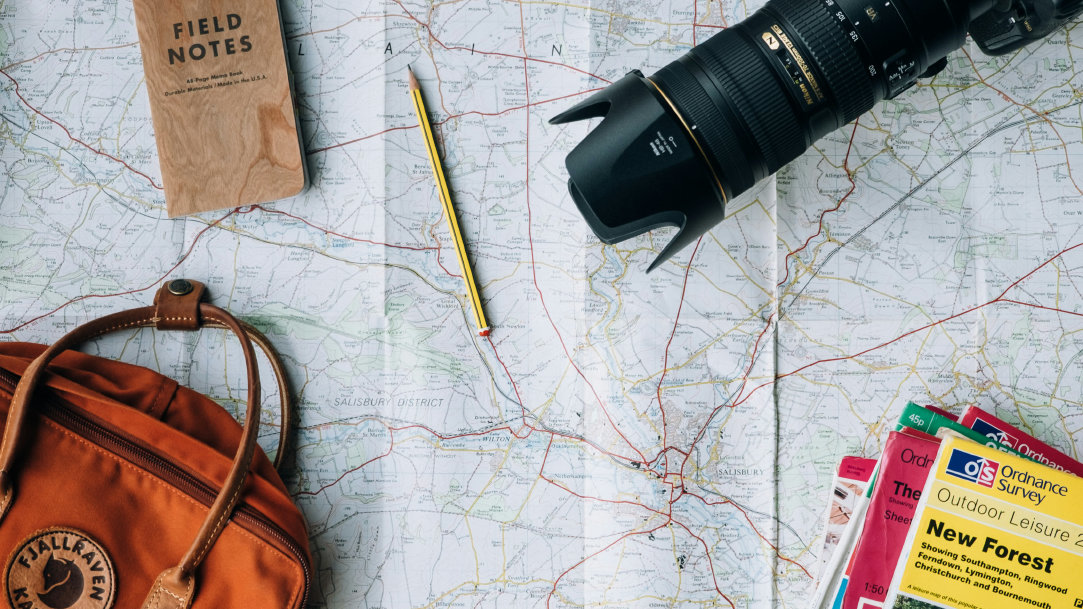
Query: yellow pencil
{"type": "Point", "coordinates": [449, 211]}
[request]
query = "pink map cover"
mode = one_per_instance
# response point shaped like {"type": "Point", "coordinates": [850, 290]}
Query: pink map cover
{"type": "Point", "coordinates": [904, 466]}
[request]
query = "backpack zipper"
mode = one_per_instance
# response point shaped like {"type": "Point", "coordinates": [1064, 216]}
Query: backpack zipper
{"type": "Point", "coordinates": [122, 445]}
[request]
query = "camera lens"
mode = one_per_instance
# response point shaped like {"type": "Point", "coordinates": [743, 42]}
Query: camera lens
{"type": "Point", "coordinates": [675, 147]}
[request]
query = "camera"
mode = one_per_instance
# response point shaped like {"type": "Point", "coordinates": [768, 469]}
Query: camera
{"type": "Point", "coordinates": [674, 147]}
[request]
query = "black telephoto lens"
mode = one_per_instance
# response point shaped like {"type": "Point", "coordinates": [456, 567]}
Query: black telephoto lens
{"type": "Point", "coordinates": [675, 146]}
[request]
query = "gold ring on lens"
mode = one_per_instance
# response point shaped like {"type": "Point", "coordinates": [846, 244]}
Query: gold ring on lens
{"type": "Point", "coordinates": [691, 135]}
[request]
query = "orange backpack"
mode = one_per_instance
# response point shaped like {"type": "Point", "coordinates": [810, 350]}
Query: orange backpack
{"type": "Point", "coordinates": [121, 488]}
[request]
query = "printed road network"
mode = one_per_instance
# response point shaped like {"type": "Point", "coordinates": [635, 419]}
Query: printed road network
{"type": "Point", "coordinates": [621, 439]}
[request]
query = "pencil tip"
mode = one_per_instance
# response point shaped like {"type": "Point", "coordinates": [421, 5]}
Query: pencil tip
{"type": "Point", "coordinates": [413, 79]}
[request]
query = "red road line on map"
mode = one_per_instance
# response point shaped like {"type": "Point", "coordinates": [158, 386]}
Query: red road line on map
{"type": "Point", "coordinates": [192, 247]}
{"type": "Point", "coordinates": [669, 520]}
{"type": "Point", "coordinates": [541, 475]}
{"type": "Point", "coordinates": [628, 535]}
{"type": "Point", "coordinates": [669, 343]}
{"type": "Point", "coordinates": [136, 290]}
{"type": "Point", "coordinates": [593, 498]}
{"type": "Point", "coordinates": [340, 235]}
{"type": "Point", "coordinates": [450, 118]}
{"type": "Point", "coordinates": [695, 20]}
{"type": "Point", "coordinates": [721, 17]}
{"type": "Point", "coordinates": [1015, 283]}
{"type": "Point", "coordinates": [507, 428]}
{"type": "Point", "coordinates": [439, 249]}
{"type": "Point", "coordinates": [710, 561]}
{"type": "Point", "coordinates": [738, 401]}
{"type": "Point", "coordinates": [341, 25]}
{"type": "Point", "coordinates": [771, 318]}
{"type": "Point", "coordinates": [391, 445]}
{"type": "Point", "coordinates": [1042, 115]}
{"type": "Point", "coordinates": [514, 387]}
{"type": "Point", "coordinates": [533, 263]}
{"type": "Point", "coordinates": [359, 139]}
{"type": "Point", "coordinates": [556, 581]}
{"type": "Point", "coordinates": [545, 456]}
{"type": "Point", "coordinates": [392, 430]}
{"type": "Point", "coordinates": [390, 448]}
{"type": "Point", "coordinates": [820, 225]}
{"type": "Point", "coordinates": [19, 94]}
{"type": "Point", "coordinates": [523, 57]}
{"type": "Point", "coordinates": [571, 360]}
{"type": "Point", "coordinates": [741, 400]}
{"type": "Point", "coordinates": [1038, 306]}
{"type": "Point", "coordinates": [67, 50]}
{"type": "Point", "coordinates": [751, 525]}
{"type": "Point", "coordinates": [998, 300]}
{"type": "Point", "coordinates": [522, 107]}
{"type": "Point", "coordinates": [448, 437]}
{"type": "Point", "coordinates": [668, 515]}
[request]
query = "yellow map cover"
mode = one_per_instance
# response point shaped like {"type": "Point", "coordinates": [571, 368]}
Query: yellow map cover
{"type": "Point", "coordinates": [992, 531]}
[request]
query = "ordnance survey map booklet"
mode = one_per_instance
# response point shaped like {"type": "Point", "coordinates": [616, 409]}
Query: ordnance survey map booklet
{"type": "Point", "coordinates": [904, 468]}
{"type": "Point", "coordinates": [847, 488]}
{"type": "Point", "coordinates": [992, 531]}
{"type": "Point", "coordinates": [1009, 435]}
{"type": "Point", "coordinates": [879, 557]}
{"type": "Point", "coordinates": [885, 525]}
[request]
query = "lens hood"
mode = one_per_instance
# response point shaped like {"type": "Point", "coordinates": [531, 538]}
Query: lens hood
{"type": "Point", "coordinates": [641, 168]}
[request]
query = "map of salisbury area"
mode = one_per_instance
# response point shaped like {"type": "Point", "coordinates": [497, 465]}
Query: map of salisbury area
{"type": "Point", "coordinates": [620, 439]}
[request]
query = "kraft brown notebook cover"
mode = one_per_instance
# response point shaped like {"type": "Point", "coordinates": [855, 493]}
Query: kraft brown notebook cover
{"type": "Point", "coordinates": [221, 102]}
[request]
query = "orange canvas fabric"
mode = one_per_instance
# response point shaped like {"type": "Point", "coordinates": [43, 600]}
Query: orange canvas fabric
{"type": "Point", "coordinates": [132, 460]}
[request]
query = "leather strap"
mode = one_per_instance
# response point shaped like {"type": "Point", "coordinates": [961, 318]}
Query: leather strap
{"type": "Point", "coordinates": [175, 587]}
{"type": "Point", "coordinates": [177, 305]}
{"type": "Point", "coordinates": [284, 393]}
{"type": "Point", "coordinates": [171, 590]}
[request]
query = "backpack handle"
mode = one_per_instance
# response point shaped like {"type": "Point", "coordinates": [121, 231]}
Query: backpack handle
{"type": "Point", "coordinates": [177, 306]}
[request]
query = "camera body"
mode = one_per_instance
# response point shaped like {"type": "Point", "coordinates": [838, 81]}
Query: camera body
{"type": "Point", "coordinates": [674, 147]}
{"type": "Point", "coordinates": [1012, 24]}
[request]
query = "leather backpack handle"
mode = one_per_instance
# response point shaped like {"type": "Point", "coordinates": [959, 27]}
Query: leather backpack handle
{"type": "Point", "coordinates": [172, 314]}
{"type": "Point", "coordinates": [177, 306]}
{"type": "Point", "coordinates": [285, 401]}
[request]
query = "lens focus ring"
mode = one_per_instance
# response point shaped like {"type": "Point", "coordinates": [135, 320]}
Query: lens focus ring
{"type": "Point", "coordinates": [755, 96]}
{"type": "Point", "coordinates": [831, 52]}
{"type": "Point", "coordinates": [744, 77]}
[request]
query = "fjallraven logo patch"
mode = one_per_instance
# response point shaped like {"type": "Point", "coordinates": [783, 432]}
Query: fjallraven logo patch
{"type": "Point", "coordinates": [60, 568]}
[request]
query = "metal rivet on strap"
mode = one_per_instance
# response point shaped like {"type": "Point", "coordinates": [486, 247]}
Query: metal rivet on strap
{"type": "Point", "coordinates": [179, 287]}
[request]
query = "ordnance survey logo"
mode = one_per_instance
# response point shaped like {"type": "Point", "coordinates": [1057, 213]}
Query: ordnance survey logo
{"type": "Point", "coordinates": [60, 568]}
{"type": "Point", "coordinates": [967, 466]}
{"type": "Point", "coordinates": [991, 431]}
